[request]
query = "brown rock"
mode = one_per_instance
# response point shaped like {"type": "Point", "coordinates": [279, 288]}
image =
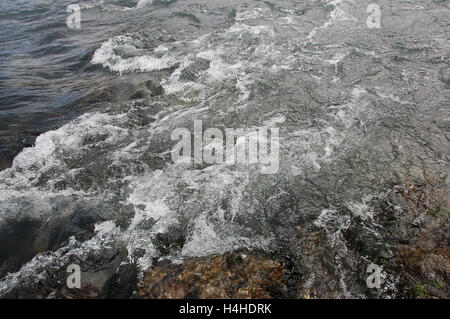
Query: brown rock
{"type": "Point", "coordinates": [238, 274]}
{"type": "Point", "coordinates": [425, 257]}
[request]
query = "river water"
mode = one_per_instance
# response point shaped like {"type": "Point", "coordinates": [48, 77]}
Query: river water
{"type": "Point", "coordinates": [86, 117]}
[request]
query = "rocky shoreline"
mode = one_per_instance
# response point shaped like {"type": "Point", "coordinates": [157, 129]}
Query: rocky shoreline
{"type": "Point", "coordinates": [363, 181]}
{"type": "Point", "coordinates": [407, 236]}
{"type": "Point", "coordinates": [413, 251]}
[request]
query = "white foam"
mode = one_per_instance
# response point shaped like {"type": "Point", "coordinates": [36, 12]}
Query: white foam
{"type": "Point", "coordinates": [47, 154]}
{"type": "Point", "coordinates": [158, 192]}
{"type": "Point", "coordinates": [143, 3]}
{"type": "Point", "coordinates": [336, 15]}
{"type": "Point", "coordinates": [105, 227]}
{"type": "Point", "coordinates": [107, 56]}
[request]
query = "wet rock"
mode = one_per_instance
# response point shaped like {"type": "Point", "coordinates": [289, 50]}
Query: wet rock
{"type": "Point", "coordinates": [140, 94]}
{"type": "Point", "coordinates": [139, 117]}
{"type": "Point", "coordinates": [330, 257]}
{"type": "Point", "coordinates": [124, 282]}
{"type": "Point", "coordinates": [81, 225]}
{"type": "Point", "coordinates": [155, 88]}
{"type": "Point", "coordinates": [194, 70]}
{"type": "Point", "coordinates": [16, 246]}
{"type": "Point", "coordinates": [173, 239]}
{"type": "Point", "coordinates": [422, 257]}
{"type": "Point", "coordinates": [425, 260]}
{"type": "Point", "coordinates": [238, 274]}
{"type": "Point", "coordinates": [405, 231]}
{"type": "Point", "coordinates": [98, 275]}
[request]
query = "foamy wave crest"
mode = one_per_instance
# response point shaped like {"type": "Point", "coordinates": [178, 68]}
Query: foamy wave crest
{"type": "Point", "coordinates": [145, 3]}
{"type": "Point", "coordinates": [124, 54]}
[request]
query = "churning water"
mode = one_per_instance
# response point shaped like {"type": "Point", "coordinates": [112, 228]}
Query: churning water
{"type": "Point", "coordinates": [359, 109]}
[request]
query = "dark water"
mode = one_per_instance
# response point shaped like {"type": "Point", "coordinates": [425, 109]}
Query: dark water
{"type": "Point", "coordinates": [46, 77]}
{"type": "Point", "coordinates": [359, 110]}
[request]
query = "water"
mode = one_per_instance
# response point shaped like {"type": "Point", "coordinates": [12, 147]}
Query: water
{"type": "Point", "coordinates": [359, 110]}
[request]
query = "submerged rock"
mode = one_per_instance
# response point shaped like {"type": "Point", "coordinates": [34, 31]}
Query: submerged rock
{"type": "Point", "coordinates": [423, 257]}
{"type": "Point", "coordinates": [237, 274]}
{"type": "Point", "coordinates": [17, 244]}
{"type": "Point", "coordinates": [155, 88]}
{"type": "Point", "coordinates": [331, 256]}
